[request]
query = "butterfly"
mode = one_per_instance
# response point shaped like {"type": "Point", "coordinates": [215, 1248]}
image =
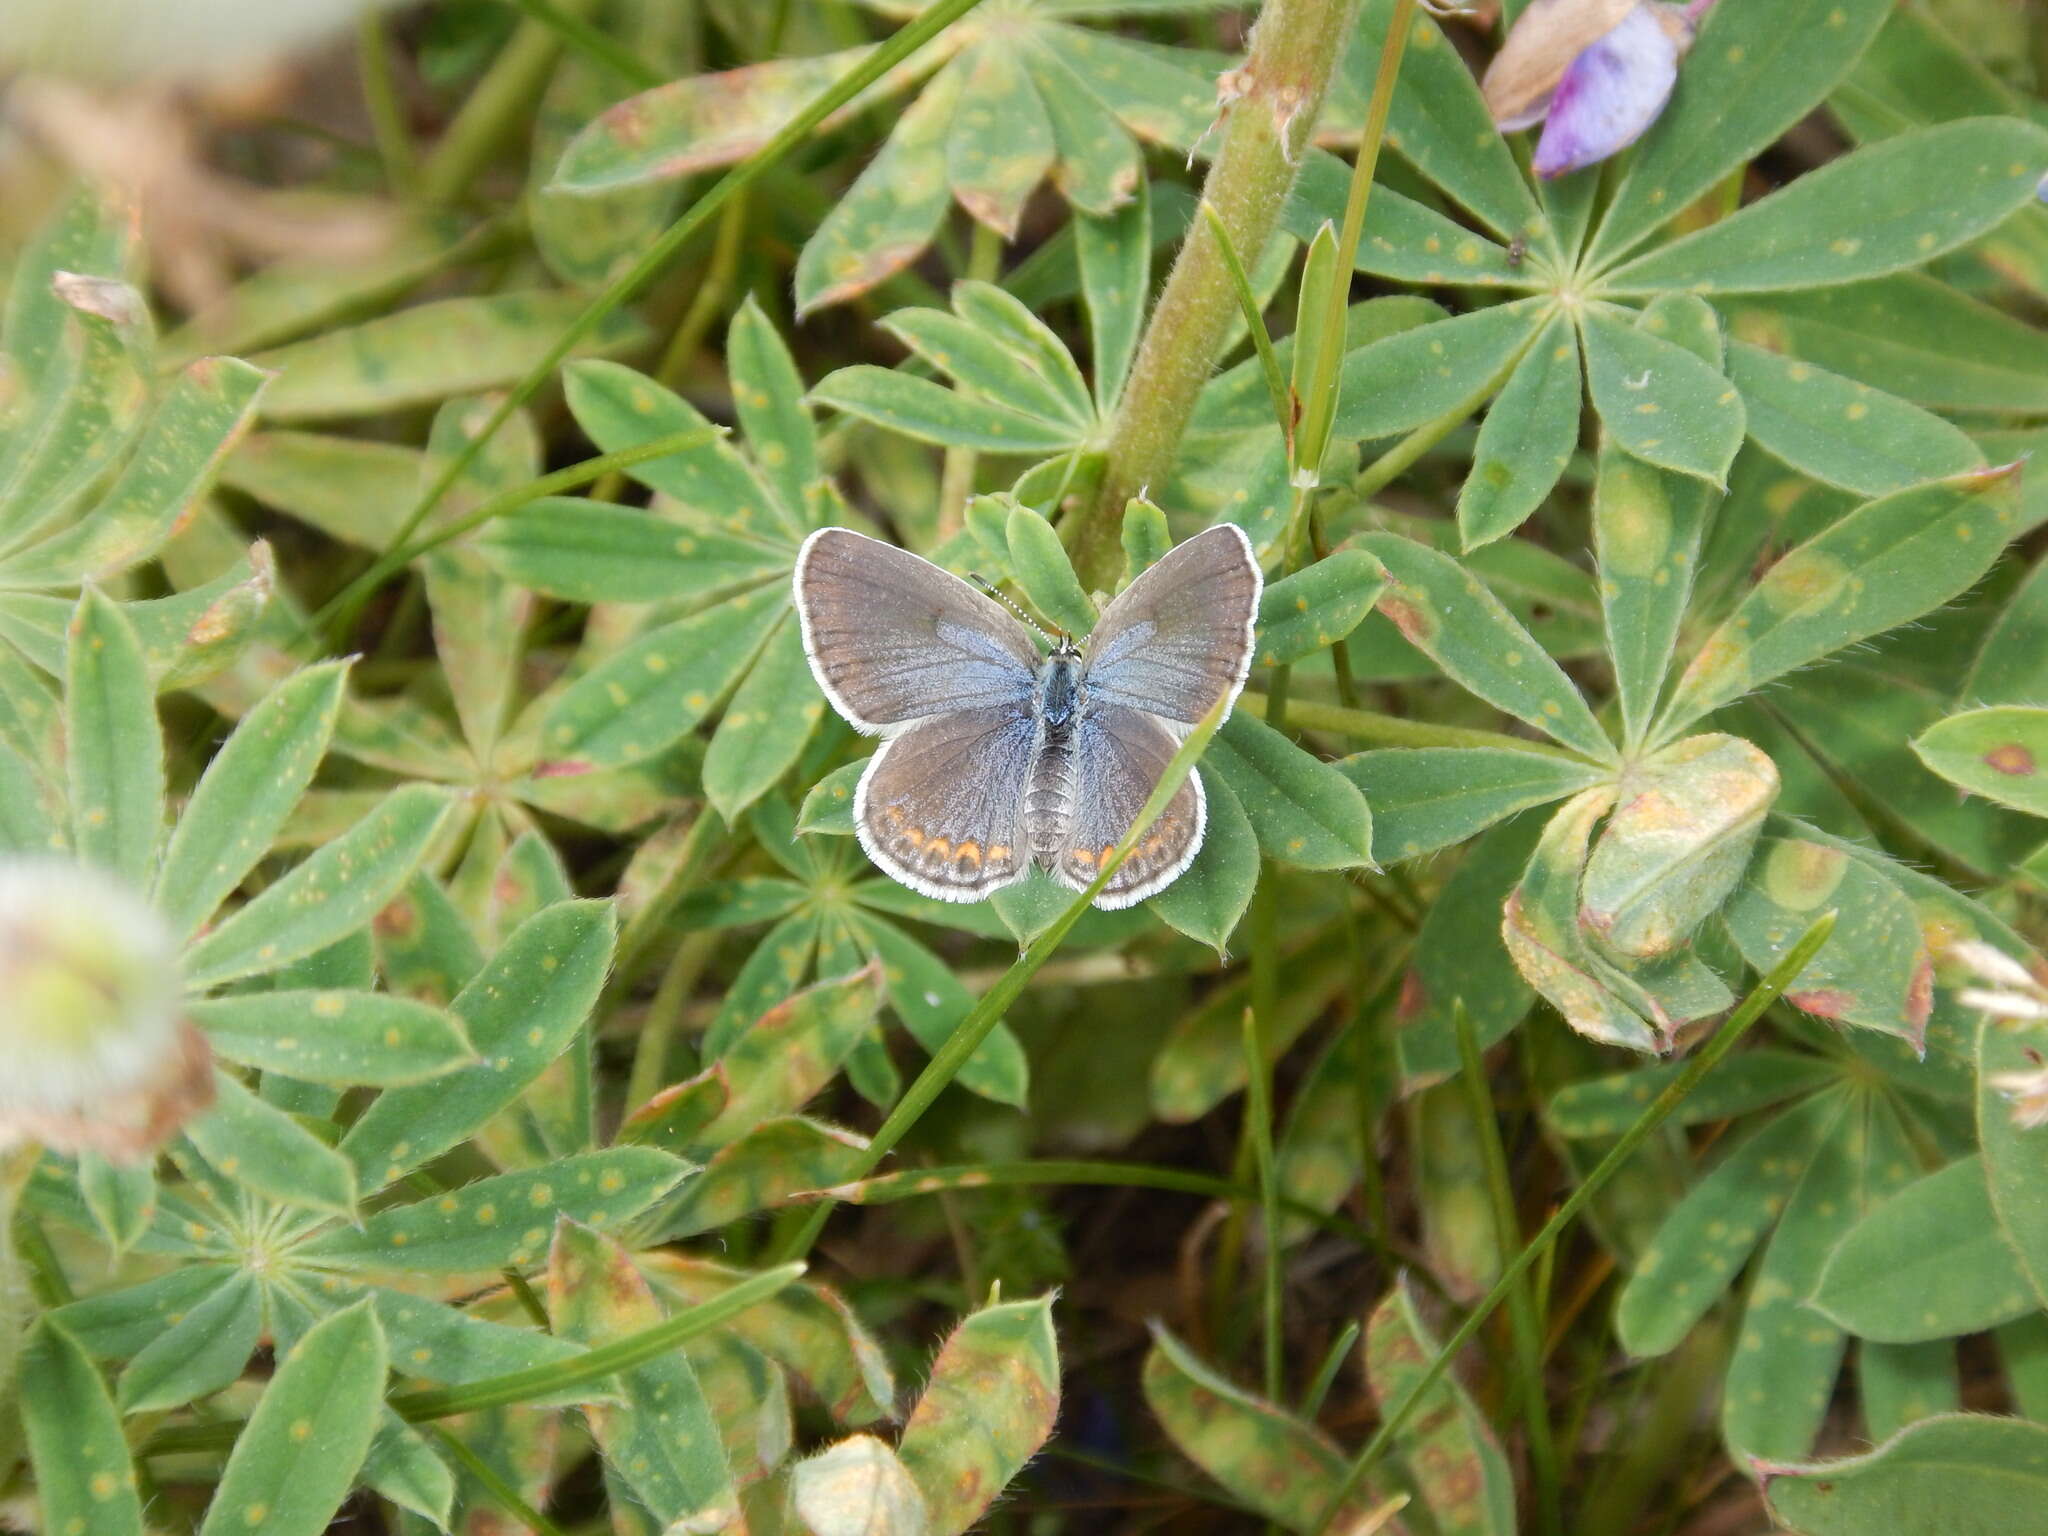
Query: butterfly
{"type": "Point", "coordinates": [997, 756]}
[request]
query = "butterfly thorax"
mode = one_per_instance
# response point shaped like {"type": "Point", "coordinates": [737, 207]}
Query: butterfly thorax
{"type": "Point", "coordinates": [1061, 700]}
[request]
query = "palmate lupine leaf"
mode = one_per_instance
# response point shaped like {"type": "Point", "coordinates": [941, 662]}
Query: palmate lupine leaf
{"type": "Point", "coordinates": [1006, 101]}
{"type": "Point", "coordinates": [1952, 1472]}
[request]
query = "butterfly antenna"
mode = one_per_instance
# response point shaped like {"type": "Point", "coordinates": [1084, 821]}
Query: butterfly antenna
{"type": "Point", "coordinates": [989, 587]}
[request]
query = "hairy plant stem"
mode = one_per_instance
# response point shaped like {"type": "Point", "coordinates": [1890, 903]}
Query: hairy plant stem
{"type": "Point", "coordinates": [1270, 110]}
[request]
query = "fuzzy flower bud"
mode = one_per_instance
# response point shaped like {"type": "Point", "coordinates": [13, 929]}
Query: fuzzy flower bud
{"type": "Point", "coordinates": [2018, 998]}
{"type": "Point", "coordinates": [98, 1055]}
{"type": "Point", "coordinates": [1595, 73]}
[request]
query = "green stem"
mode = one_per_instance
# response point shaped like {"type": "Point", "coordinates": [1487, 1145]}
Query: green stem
{"type": "Point", "coordinates": [503, 1493]}
{"type": "Point", "coordinates": [649, 1074]}
{"type": "Point", "coordinates": [593, 43]}
{"type": "Point", "coordinates": [905, 42]}
{"type": "Point", "coordinates": [1659, 1109]}
{"type": "Point", "coordinates": [1258, 1108]}
{"type": "Point", "coordinates": [1393, 731]}
{"type": "Point", "coordinates": [494, 111]}
{"type": "Point", "coordinates": [594, 1365]}
{"type": "Point", "coordinates": [1275, 99]}
{"type": "Point", "coordinates": [646, 926]}
{"type": "Point", "coordinates": [1326, 1373]}
{"type": "Point", "coordinates": [386, 112]}
{"type": "Point", "coordinates": [967, 1036]}
{"type": "Point", "coordinates": [1523, 1317]}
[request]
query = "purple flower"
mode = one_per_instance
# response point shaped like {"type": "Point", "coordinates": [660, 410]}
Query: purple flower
{"type": "Point", "coordinates": [1595, 73]}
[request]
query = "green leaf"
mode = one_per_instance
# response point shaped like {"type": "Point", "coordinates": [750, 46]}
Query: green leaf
{"type": "Point", "coordinates": [1944, 1476]}
{"type": "Point", "coordinates": [122, 1198]}
{"type": "Point", "coordinates": [84, 1477]}
{"type": "Point", "coordinates": [621, 409]}
{"type": "Point", "coordinates": [988, 1405]}
{"type": "Point", "coordinates": [1680, 836]}
{"type": "Point", "coordinates": [1889, 561]}
{"type": "Point", "coordinates": [1115, 254]}
{"type": "Point", "coordinates": [661, 1439]}
{"type": "Point", "coordinates": [28, 819]}
{"type": "Point", "coordinates": [1999, 753]}
{"type": "Point", "coordinates": [1453, 1458]}
{"type": "Point", "coordinates": [404, 1468]}
{"type": "Point", "coordinates": [888, 216]}
{"type": "Point", "coordinates": [1209, 898]}
{"type": "Point", "coordinates": [262, 1147]}
{"type": "Point", "coordinates": [352, 490]}
{"type": "Point", "coordinates": [768, 395]}
{"type": "Point", "coordinates": [792, 1051]}
{"type": "Point", "coordinates": [972, 348]}
{"type": "Point", "coordinates": [1318, 606]}
{"type": "Point", "coordinates": [428, 353]}
{"type": "Point", "coordinates": [334, 1037]}
{"type": "Point", "coordinates": [191, 430]}
{"type": "Point", "coordinates": [593, 552]}
{"type": "Point", "coordinates": [1426, 798]}
{"type": "Point", "coordinates": [1526, 440]}
{"type": "Point", "coordinates": [1597, 1107]}
{"type": "Point", "coordinates": [931, 1001]}
{"type": "Point", "coordinates": [1042, 569]}
{"type": "Point", "coordinates": [766, 726]}
{"type": "Point", "coordinates": [1901, 1384]}
{"type": "Point", "coordinates": [932, 413]}
{"type": "Point", "coordinates": [1874, 970]}
{"type": "Point", "coordinates": [297, 1457]}
{"type": "Point", "coordinates": [1658, 399]}
{"type": "Point", "coordinates": [1703, 1243]}
{"type": "Point", "coordinates": [1872, 212]}
{"type": "Point", "coordinates": [202, 1352]}
{"type": "Point", "coordinates": [1648, 524]}
{"type": "Point", "coordinates": [1787, 1358]}
{"type": "Point", "coordinates": [506, 1220]}
{"type": "Point", "coordinates": [1842, 432]}
{"type": "Point", "coordinates": [828, 807]}
{"type": "Point", "coordinates": [1439, 123]}
{"type": "Point", "coordinates": [1460, 961]}
{"type": "Point", "coordinates": [1270, 1461]}
{"type": "Point", "coordinates": [1540, 928]}
{"type": "Point", "coordinates": [2012, 662]}
{"type": "Point", "coordinates": [643, 698]}
{"type": "Point", "coordinates": [2015, 1159]}
{"type": "Point", "coordinates": [1911, 335]}
{"type": "Point", "coordinates": [521, 1011]}
{"type": "Point", "coordinates": [329, 896]}
{"type": "Point", "coordinates": [114, 747]}
{"type": "Point", "coordinates": [760, 1170]}
{"type": "Point", "coordinates": [1412, 378]}
{"type": "Point", "coordinates": [1448, 614]}
{"type": "Point", "coordinates": [246, 794]}
{"type": "Point", "coordinates": [1753, 72]}
{"type": "Point", "coordinates": [1303, 811]}
{"type": "Point", "coordinates": [1929, 1263]}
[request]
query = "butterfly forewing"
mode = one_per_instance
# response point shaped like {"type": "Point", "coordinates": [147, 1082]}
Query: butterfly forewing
{"type": "Point", "coordinates": [941, 805]}
{"type": "Point", "coordinates": [893, 638]}
{"type": "Point", "coordinates": [1180, 637]}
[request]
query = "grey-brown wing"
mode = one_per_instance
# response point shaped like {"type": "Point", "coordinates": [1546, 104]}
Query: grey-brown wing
{"type": "Point", "coordinates": [1180, 637]}
{"type": "Point", "coordinates": [941, 806]}
{"type": "Point", "coordinates": [1118, 756]}
{"type": "Point", "coordinates": [893, 638]}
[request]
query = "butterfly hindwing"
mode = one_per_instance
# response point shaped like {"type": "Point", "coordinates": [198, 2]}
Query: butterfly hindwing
{"type": "Point", "coordinates": [941, 806]}
{"type": "Point", "coordinates": [1117, 757]}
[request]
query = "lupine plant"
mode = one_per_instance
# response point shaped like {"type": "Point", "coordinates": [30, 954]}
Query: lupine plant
{"type": "Point", "coordinates": [462, 1073]}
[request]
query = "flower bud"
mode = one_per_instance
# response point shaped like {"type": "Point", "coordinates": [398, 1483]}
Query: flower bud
{"type": "Point", "coordinates": [98, 1056]}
